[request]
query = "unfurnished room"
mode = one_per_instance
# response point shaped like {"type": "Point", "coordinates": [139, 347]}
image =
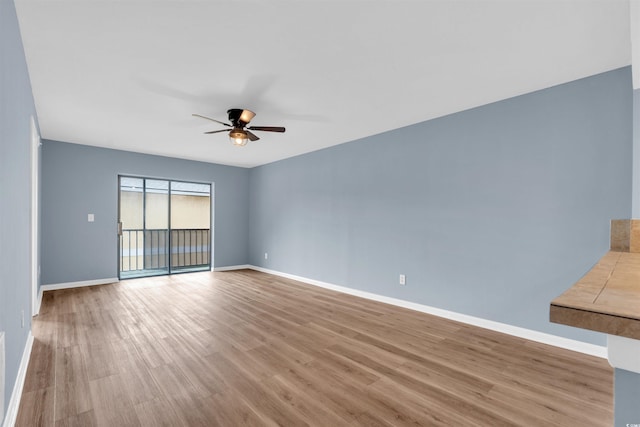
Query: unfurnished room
{"type": "Point", "coordinates": [320, 213]}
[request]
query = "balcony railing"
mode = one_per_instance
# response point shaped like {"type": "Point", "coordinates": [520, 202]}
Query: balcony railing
{"type": "Point", "coordinates": [149, 249]}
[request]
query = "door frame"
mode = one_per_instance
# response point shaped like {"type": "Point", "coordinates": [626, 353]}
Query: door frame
{"type": "Point", "coordinates": [169, 180]}
{"type": "Point", "coordinates": [35, 145]}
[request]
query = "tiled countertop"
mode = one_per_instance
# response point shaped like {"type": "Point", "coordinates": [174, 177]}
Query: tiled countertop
{"type": "Point", "coordinates": [606, 299]}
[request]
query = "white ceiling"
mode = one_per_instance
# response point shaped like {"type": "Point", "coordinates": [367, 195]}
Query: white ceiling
{"type": "Point", "coordinates": [129, 74]}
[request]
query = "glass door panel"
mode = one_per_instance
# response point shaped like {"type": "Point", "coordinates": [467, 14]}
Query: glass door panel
{"type": "Point", "coordinates": [156, 229]}
{"type": "Point", "coordinates": [190, 226]}
{"type": "Point", "coordinates": [131, 225]}
{"type": "Point", "coordinates": [143, 227]}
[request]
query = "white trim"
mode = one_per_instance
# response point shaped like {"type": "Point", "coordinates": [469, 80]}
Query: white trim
{"type": "Point", "coordinates": [554, 340]}
{"type": "Point", "coordinates": [16, 395]}
{"type": "Point", "coordinates": [35, 261]}
{"type": "Point", "coordinates": [624, 353]}
{"type": "Point", "coordinates": [234, 267]}
{"type": "Point", "coordinates": [634, 16]}
{"type": "Point", "coordinates": [39, 302]}
{"type": "Point", "coordinates": [80, 284]}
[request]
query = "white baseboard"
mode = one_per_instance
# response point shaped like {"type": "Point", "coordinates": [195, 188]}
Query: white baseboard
{"type": "Point", "coordinates": [69, 285]}
{"type": "Point", "coordinates": [233, 267]}
{"type": "Point", "coordinates": [541, 337]}
{"type": "Point", "coordinates": [16, 395]}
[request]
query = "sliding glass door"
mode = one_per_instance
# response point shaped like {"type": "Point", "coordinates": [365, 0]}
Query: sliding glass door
{"type": "Point", "coordinates": [164, 227]}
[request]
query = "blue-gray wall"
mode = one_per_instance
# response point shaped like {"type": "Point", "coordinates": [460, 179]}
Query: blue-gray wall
{"type": "Point", "coordinates": [78, 180]}
{"type": "Point", "coordinates": [490, 212]}
{"type": "Point", "coordinates": [627, 398]}
{"type": "Point", "coordinates": [16, 109]}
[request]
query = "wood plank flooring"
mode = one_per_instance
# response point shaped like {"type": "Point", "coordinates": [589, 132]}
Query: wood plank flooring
{"type": "Point", "coordinates": [248, 348]}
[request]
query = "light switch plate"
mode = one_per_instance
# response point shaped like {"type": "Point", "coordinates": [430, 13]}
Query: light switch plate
{"type": "Point", "coordinates": [90, 217]}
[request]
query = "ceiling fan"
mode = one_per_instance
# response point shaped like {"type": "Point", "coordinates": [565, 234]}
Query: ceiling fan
{"type": "Point", "coordinates": [239, 132]}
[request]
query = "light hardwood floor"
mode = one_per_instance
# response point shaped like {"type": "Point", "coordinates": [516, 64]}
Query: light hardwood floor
{"type": "Point", "coordinates": [247, 348]}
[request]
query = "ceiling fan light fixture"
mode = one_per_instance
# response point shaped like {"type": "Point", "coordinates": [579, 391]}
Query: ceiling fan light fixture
{"type": "Point", "coordinates": [247, 115]}
{"type": "Point", "coordinates": [238, 137]}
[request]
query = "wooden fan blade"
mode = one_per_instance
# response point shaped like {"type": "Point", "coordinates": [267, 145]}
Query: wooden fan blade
{"type": "Point", "coordinates": [252, 136]}
{"type": "Point", "coordinates": [213, 120]}
{"type": "Point", "coordinates": [217, 131]}
{"type": "Point", "coordinates": [268, 128]}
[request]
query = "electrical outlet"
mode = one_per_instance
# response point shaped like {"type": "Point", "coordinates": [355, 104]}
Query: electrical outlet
{"type": "Point", "coordinates": [403, 279]}
{"type": "Point", "coordinates": [266, 255]}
